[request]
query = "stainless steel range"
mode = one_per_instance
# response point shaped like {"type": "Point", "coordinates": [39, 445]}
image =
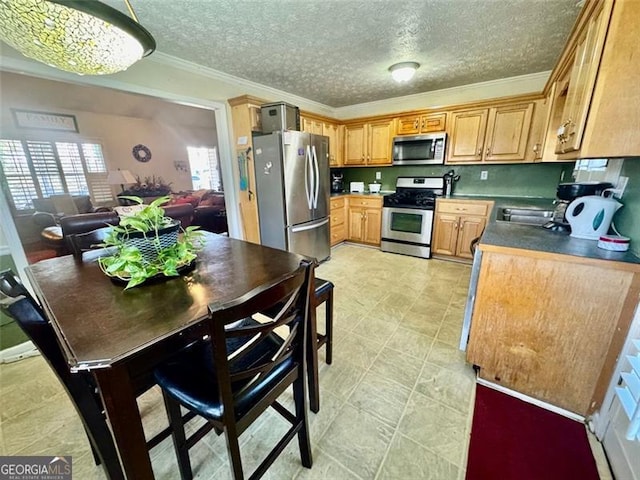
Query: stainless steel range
{"type": "Point", "coordinates": [407, 216]}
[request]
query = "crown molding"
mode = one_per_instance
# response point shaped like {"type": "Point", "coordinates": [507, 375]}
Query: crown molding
{"type": "Point", "coordinates": [504, 87]}
{"type": "Point", "coordinates": [246, 87]}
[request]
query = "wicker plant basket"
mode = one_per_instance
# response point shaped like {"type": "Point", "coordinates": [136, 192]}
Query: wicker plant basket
{"type": "Point", "coordinates": [149, 244]}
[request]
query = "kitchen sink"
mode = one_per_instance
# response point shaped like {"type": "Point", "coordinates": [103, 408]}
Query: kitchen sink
{"type": "Point", "coordinates": [526, 216]}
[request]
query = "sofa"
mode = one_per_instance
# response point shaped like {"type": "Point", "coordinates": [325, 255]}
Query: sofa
{"type": "Point", "coordinates": [209, 211]}
{"type": "Point", "coordinates": [83, 223]}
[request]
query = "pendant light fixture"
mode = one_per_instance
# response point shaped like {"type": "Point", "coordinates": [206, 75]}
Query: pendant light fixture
{"type": "Point", "coordinates": [85, 37]}
{"type": "Point", "coordinates": [404, 71]}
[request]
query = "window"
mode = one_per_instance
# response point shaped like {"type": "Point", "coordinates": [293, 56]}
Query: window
{"type": "Point", "coordinates": [38, 169]}
{"type": "Point", "coordinates": [205, 168]}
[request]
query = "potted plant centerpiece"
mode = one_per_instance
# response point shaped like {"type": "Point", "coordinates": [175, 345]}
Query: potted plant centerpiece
{"type": "Point", "coordinates": [148, 244]}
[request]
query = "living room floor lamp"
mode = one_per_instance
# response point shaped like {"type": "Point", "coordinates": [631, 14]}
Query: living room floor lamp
{"type": "Point", "coordinates": [120, 177]}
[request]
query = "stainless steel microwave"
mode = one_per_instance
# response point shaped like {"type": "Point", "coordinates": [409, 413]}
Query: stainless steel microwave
{"type": "Point", "coordinates": [419, 149]}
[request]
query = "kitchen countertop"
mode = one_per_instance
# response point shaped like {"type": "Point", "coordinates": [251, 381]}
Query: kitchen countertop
{"type": "Point", "coordinates": [367, 194]}
{"type": "Point", "coordinates": [531, 237]}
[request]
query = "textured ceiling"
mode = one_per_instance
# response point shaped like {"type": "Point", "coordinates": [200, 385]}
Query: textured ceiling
{"type": "Point", "coordinates": [337, 52]}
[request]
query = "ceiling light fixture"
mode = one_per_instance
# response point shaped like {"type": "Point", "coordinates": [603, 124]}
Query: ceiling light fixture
{"type": "Point", "coordinates": [78, 36]}
{"type": "Point", "coordinates": [404, 71]}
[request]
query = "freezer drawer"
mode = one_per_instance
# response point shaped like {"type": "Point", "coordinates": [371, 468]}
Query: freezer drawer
{"type": "Point", "coordinates": [311, 239]}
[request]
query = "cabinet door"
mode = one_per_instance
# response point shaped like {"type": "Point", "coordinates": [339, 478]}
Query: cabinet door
{"type": "Point", "coordinates": [372, 224]}
{"type": "Point", "coordinates": [435, 122]}
{"type": "Point", "coordinates": [445, 234]}
{"type": "Point", "coordinates": [467, 136]}
{"type": "Point", "coordinates": [330, 130]}
{"type": "Point", "coordinates": [356, 221]}
{"type": "Point", "coordinates": [409, 125]}
{"type": "Point", "coordinates": [310, 125]}
{"type": "Point", "coordinates": [380, 138]}
{"type": "Point", "coordinates": [469, 228]}
{"type": "Point", "coordinates": [508, 130]}
{"type": "Point", "coordinates": [355, 143]}
{"type": "Point", "coordinates": [582, 82]}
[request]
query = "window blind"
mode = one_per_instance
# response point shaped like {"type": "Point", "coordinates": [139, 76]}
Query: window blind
{"type": "Point", "coordinates": [38, 169]}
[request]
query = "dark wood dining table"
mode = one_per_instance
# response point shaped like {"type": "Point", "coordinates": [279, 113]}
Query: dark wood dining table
{"type": "Point", "coordinates": [122, 335]}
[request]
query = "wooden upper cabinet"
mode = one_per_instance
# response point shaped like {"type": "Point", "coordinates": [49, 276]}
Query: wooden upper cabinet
{"type": "Point", "coordinates": [508, 133]}
{"type": "Point", "coordinates": [584, 72]}
{"type": "Point", "coordinates": [368, 143]}
{"type": "Point", "coordinates": [355, 144]}
{"type": "Point", "coordinates": [311, 125]}
{"type": "Point", "coordinates": [498, 134]}
{"type": "Point", "coordinates": [467, 136]}
{"type": "Point", "coordinates": [416, 124]}
{"type": "Point", "coordinates": [332, 131]}
{"type": "Point", "coordinates": [380, 138]}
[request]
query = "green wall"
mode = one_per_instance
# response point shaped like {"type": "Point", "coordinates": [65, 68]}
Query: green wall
{"type": "Point", "coordinates": [529, 180]}
{"type": "Point", "coordinates": [627, 220]}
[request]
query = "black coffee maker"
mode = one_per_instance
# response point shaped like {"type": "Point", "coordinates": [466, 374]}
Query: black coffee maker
{"type": "Point", "coordinates": [337, 182]}
{"type": "Point", "coordinates": [567, 193]}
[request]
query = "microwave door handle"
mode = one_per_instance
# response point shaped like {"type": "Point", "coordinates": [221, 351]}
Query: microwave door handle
{"type": "Point", "coordinates": [317, 176]}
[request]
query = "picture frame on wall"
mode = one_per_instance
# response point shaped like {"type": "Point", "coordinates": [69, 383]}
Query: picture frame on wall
{"type": "Point", "coordinates": [34, 119]}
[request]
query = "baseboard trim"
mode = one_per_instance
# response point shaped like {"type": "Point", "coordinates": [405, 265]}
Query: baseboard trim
{"type": "Point", "coordinates": [18, 352]}
{"type": "Point", "coordinates": [533, 401]}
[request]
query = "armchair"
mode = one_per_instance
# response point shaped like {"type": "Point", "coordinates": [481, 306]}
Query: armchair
{"type": "Point", "coordinates": [49, 212]}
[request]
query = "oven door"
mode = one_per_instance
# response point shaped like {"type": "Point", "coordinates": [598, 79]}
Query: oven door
{"type": "Point", "coordinates": [411, 225]}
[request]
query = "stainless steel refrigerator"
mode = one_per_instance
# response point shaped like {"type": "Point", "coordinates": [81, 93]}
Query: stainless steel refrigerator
{"type": "Point", "coordinates": [292, 185]}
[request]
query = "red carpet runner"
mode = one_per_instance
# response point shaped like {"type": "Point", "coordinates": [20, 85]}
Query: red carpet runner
{"type": "Point", "coordinates": [514, 440]}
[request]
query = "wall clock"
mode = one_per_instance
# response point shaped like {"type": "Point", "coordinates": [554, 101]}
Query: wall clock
{"type": "Point", "coordinates": [141, 153]}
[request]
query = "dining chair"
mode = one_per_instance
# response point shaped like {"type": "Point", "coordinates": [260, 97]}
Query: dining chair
{"type": "Point", "coordinates": [80, 386]}
{"type": "Point", "coordinates": [242, 369]}
{"type": "Point", "coordinates": [83, 242]}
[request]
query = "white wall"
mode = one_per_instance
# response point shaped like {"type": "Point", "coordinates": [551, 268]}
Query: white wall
{"type": "Point", "coordinates": [155, 126]}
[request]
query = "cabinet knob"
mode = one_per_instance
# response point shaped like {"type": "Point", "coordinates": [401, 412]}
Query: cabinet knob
{"type": "Point", "coordinates": [423, 122]}
{"type": "Point", "coordinates": [415, 124]}
{"type": "Point", "coordinates": [488, 151]}
{"type": "Point", "coordinates": [479, 152]}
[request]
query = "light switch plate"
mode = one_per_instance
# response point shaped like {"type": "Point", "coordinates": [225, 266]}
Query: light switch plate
{"type": "Point", "coordinates": [484, 174]}
{"type": "Point", "coordinates": [378, 175]}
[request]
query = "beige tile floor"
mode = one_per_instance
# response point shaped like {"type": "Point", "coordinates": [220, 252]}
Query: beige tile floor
{"type": "Point", "coordinates": [395, 404]}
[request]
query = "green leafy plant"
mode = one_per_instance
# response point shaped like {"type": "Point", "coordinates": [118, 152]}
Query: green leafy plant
{"type": "Point", "coordinates": [134, 266]}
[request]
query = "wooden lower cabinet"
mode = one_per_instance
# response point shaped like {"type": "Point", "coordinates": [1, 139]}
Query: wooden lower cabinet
{"type": "Point", "coordinates": [544, 326]}
{"type": "Point", "coordinates": [365, 219]}
{"type": "Point", "coordinates": [457, 223]}
{"type": "Point", "coordinates": [338, 224]}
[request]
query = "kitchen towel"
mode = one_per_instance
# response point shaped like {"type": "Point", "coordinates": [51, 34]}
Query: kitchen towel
{"type": "Point", "coordinates": [515, 440]}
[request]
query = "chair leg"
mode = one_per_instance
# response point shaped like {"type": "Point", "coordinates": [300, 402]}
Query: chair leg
{"type": "Point", "coordinates": [233, 450]}
{"type": "Point", "coordinates": [301, 416]}
{"type": "Point", "coordinates": [94, 452]}
{"type": "Point", "coordinates": [177, 434]}
{"type": "Point", "coordinates": [312, 363]}
{"type": "Point", "coordinates": [329, 327]}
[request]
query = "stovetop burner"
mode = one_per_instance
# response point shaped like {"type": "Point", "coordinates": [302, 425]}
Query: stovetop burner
{"type": "Point", "coordinates": [415, 192]}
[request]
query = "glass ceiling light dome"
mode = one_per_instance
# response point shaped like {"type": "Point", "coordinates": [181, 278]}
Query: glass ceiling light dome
{"type": "Point", "coordinates": [403, 72]}
{"type": "Point", "coordinates": [85, 37]}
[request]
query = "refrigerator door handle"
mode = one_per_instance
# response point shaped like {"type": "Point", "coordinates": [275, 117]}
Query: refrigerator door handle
{"type": "Point", "coordinates": [309, 227]}
{"type": "Point", "coordinates": [307, 177]}
{"type": "Point", "coordinates": [317, 177]}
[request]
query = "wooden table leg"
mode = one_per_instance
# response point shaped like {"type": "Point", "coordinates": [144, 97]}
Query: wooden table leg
{"type": "Point", "coordinates": [124, 417]}
{"type": "Point", "coordinates": [312, 362]}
